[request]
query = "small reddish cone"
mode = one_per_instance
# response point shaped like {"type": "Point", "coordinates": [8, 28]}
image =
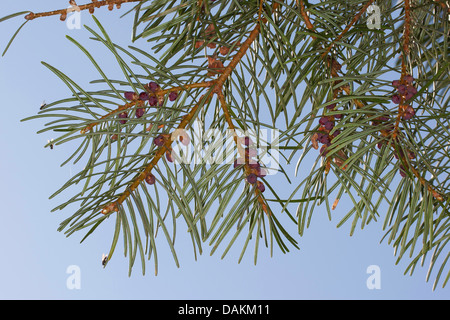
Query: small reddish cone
{"type": "Point", "coordinates": [152, 101]}
{"type": "Point", "coordinates": [143, 96]}
{"type": "Point", "coordinates": [169, 156]}
{"type": "Point", "coordinates": [252, 178]}
{"type": "Point", "coordinates": [123, 115]}
{"type": "Point", "coordinates": [159, 141]}
{"type": "Point", "coordinates": [153, 86]}
{"type": "Point", "coordinates": [130, 95]}
{"type": "Point", "coordinates": [173, 96]}
{"type": "Point", "coordinates": [150, 179]}
{"type": "Point", "coordinates": [140, 112]}
{"type": "Point", "coordinates": [260, 186]}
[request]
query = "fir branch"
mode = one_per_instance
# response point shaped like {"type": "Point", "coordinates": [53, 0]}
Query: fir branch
{"type": "Point", "coordinates": [90, 6]}
{"type": "Point", "coordinates": [115, 205]}
{"type": "Point", "coordinates": [273, 49]}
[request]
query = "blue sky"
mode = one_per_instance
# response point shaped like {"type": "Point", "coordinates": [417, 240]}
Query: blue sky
{"type": "Point", "coordinates": [34, 256]}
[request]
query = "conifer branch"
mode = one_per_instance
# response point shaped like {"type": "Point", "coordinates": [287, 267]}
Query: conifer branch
{"type": "Point", "coordinates": [90, 6]}
{"type": "Point", "coordinates": [114, 206]}
{"type": "Point", "coordinates": [403, 107]}
{"type": "Point", "coordinates": [121, 108]}
{"type": "Point", "coordinates": [281, 56]}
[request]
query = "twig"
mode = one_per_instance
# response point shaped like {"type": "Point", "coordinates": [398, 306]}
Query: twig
{"type": "Point", "coordinates": [120, 108]}
{"type": "Point", "coordinates": [347, 28]}
{"type": "Point", "coordinates": [114, 206]}
{"type": "Point", "coordinates": [406, 35]}
{"type": "Point", "coordinates": [241, 152]}
{"type": "Point", "coordinates": [217, 89]}
{"type": "Point", "coordinates": [141, 103]}
{"type": "Point", "coordinates": [305, 17]}
{"type": "Point", "coordinates": [405, 53]}
{"type": "Point", "coordinates": [90, 7]}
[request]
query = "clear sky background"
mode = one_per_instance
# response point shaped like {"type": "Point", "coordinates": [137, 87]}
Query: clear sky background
{"type": "Point", "coordinates": [34, 257]}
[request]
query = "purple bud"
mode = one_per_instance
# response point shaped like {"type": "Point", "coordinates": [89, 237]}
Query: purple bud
{"type": "Point", "coordinates": [262, 172]}
{"type": "Point", "coordinates": [123, 115]}
{"type": "Point", "coordinates": [396, 98]}
{"type": "Point", "coordinates": [260, 186]}
{"type": "Point", "coordinates": [408, 95]}
{"type": "Point", "coordinates": [152, 101]}
{"type": "Point", "coordinates": [173, 95]}
{"type": "Point", "coordinates": [331, 106]}
{"type": "Point", "coordinates": [159, 141]}
{"type": "Point", "coordinates": [336, 133]}
{"type": "Point", "coordinates": [251, 152]}
{"type": "Point", "coordinates": [130, 95]}
{"type": "Point", "coordinates": [323, 120]}
{"type": "Point", "coordinates": [402, 171]}
{"type": "Point", "coordinates": [329, 125]}
{"type": "Point", "coordinates": [169, 156]}
{"type": "Point", "coordinates": [408, 78]}
{"type": "Point", "coordinates": [412, 89]}
{"type": "Point", "coordinates": [409, 113]}
{"type": "Point", "coordinates": [140, 112]}
{"type": "Point", "coordinates": [247, 141]}
{"type": "Point", "coordinates": [401, 89]}
{"type": "Point", "coordinates": [324, 138]}
{"type": "Point", "coordinates": [338, 116]}
{"type": "Point", "coordinates": [153, 86]}
{"type": "Point", "coordinates": [143, 96]}
{"type": "Point", "coordinates": [252, 178]}
{"type": "Point", "coordinates": [150, 179]}
{"type": "Point", "coordinates": [395, 83]}
{"type": "Point", "coordinates": [399, 153]}
{"type": "Point", "coordinates": [321, 135]}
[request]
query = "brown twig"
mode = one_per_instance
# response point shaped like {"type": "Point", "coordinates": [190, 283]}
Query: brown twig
{"type": "Point", "coordinates": [89, 6]}
{"type": "Point", "coordinates": [406, 36]}
{"type": "Point", "coordinates": [334, 73]}
{"type": "Point", "coordinates": [141, 103]}
{"type": "Point", "coordinates": [186, 87]}
{"type": "Point", "coordinates": [407, 164]}
{"type": "Point", "coordinates": [114, 206]}
{"type": "Point", "coordinates": [237, 57]}
{"type": "Point", "coordinates": [120, 108]}
{"type": "Point", "coordinates": [216, 89]}
{"type": "Point", "coordinates": [241, 152]}
{"type": "Point", "coordinates": [347, 28]}
{"type": "Point", "coordinates": [305, 17]}
{"type": "Point", "coordinates": [405, 53]}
